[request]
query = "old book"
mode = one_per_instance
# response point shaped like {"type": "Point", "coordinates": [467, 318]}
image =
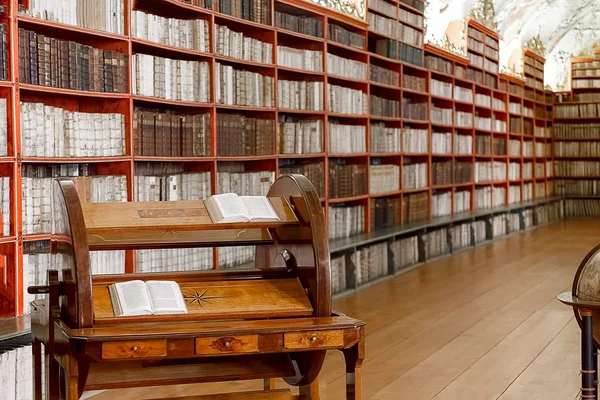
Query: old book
{"type": "Point", "coordinates": [229, 207]}
{"type": "Point", "coordinates": [146, 298]}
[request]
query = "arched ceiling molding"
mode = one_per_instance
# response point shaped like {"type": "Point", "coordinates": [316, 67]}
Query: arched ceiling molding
{"type": "Point", "coordinates": [566, 28]}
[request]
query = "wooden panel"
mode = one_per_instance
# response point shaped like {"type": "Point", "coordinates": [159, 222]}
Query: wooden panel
{"type": "Point", "coordinates": [134, 349]}
{"type": "Point", "coordinates": [313, 340]}
{"type": "Point", "coordinates": [227, 345]}
{"type": "Point", "coordinates": [221, 299]}
{"type": "Point", "coordinates": [168, 215]}
{"type": "Point", "coordinates": [134, 239]}
{"type": "Point", "coordinates": [280, 394]}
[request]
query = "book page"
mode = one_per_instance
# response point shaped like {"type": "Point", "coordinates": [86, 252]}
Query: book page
{"type": "Point", "coordinates": [260, 209]}
{"type": "Point", "coordinates": [166, 297]}
{"type": "Point", "coordinates": [231, 206]}
{"type": "Point", "coordinates": [133, 298]}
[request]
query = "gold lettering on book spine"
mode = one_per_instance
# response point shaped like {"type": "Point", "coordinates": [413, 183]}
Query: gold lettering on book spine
{"type": "Point", "coordinates": [353, 8]}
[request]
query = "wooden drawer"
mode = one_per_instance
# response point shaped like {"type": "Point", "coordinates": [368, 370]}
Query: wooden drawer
{"type": "Point", "coordinates": [227, 345]}
{"type": "Point", "coordinates": [134, 349]}
{"type": "Point", "coordinates": [313, 340]}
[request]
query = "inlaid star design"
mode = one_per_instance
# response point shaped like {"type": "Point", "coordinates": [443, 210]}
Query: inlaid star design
{"type": "Point", "coordinates": [199, 298]}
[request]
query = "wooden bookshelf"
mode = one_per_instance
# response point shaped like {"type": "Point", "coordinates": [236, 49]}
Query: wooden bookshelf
{"type": "Point", "coordinates": [387, 77]}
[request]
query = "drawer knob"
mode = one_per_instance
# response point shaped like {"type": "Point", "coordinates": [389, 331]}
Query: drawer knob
{"type": "Point", "coordinates": [134, 348]}
{"type": "Point", "coordinates": [313, 338]}
{"type": "Point", "coordinates": [227, 344]}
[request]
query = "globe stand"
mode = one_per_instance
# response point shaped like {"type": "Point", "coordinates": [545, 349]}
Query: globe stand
{"type": "Point", "coordinates": [584, 311]}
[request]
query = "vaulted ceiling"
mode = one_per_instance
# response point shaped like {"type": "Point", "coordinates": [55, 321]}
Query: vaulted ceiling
{"type": "Point", "coordinates": [566, 28]}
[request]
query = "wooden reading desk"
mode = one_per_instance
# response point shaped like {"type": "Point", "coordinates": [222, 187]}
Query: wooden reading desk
{"type": "Point", "coordinates": [271, 322]}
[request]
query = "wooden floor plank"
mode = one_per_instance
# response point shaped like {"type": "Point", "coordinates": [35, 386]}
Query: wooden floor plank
{"type": "Point", "coordinates": [552, 375]}
{"type": "Point", "coordinates": [464, 309]}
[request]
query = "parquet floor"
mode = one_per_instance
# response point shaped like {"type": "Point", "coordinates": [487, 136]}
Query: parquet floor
{"type": "Point", "coordinates": [483, 324]}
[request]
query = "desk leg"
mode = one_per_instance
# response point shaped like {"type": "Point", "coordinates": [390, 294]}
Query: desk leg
{"type": "Point", "coordinates": [595, 361]}
{"type": "Point", "coordinates": [354, 358]}
{"type": "Point", "coordinates": [71, 376]}
{"type": "Point", "coordinates": [310, 392]}
{"type": "Point", "coordinates": [36, 348]}
{"type": "Point", "coordinates": [52, 381]}
{"type": "Point", "coordinates": [588, 373]}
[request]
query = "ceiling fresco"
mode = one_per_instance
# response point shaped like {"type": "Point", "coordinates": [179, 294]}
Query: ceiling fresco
{"type": "Point", "coordinates": [566, 27]}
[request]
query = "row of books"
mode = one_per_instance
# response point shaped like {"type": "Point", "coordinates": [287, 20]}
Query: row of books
{"type": "Point", "coordinates": [411, 82]}
{"type": "Point", "coordinates": [383, 75]}
{"type": "Point", "coordinates": [441, 143]}
{"type": "Point", "coordinates": [303, 24]}
{"type": "Point", "coordinates": [414, 176]}
{"type": "Point", "coordinates": [241, 135]}
{"type": "Point", "coordinates": [167, 134]}
{"type": "Point", "coordinates": [385, 139]}
{"type": "Point", "coordinates": [258, 11]}
{"type": "Point", "coordinates": [190, 34]}
{"type": "Point", "coordinates": [527, 170]}
{"type": "Point", "coordinates": [577, 131]}
{"type": "Point", "coordinates": [396, 29]}
{"type": "Point", "coordinates": [440, 88]}
{"type": "Point", "coordinates": [461, 236]}
{"type": "Point", "coordinates": [436, 243]}
{"type": "Point", "coordinates": [341, 35]}
{"type": "Point", "coordinates": [410, 17]}
{"type": "Point", "coordinates": [442, 173]}
{"type": "Point", "coordinates": [385, 212]}
{"type": "Point", "coordinates": [514, 194]}
{"type": "Point", "coordinates": [314, 171]}
{"type": "Point", "coordinates": [441, 116]}
{"type": "Point", "coordinates": [462, 201]}
{"type": "Point", "coordinates": [47, 61]}
{"type": "Point", "coordinates": [527, 148]}
{"type": "Point", "coordinates": [230, 43]}
{"type": "Point", "coordinates": [441, 204]}
{"type": "Point", "coordinates": [338, 273]}
{"type": "Point", "coordinates": [16, 375]}
{"type": "Point", "coordinates": [371, 262]}
{"type": "Point", "coordinates": [48, 131]}
{"type": "Point", "coordinates": [37, 183]}
{"type": "Point", "coordinates": [514, 171]}
{"type": "Point", "coordinates": [346, 67]}
{"type": "Point", "coordinates": [385, 178]}
{"type": "Point", "coordinates": [578, 187]}
{"type": "Point", "coordinates": [577, 168]}
{"type": "Point", "coordinates": [173, 260]}
{"type": "Point", "coordinates": [170, 79]}
{"type": "Point", "coordinates": [382, 107]}
{"type": "Point", "coordinates": [577, 110]}
{"type": "Point", "coordinates": [300, 136]}
{"type": "Point", "coordinates": [415, 141]}
{"type": "Point", "coordinates": [463, 94]}
{"type": "Point", "coordinates": [438, 64]}
{"type": "Point", "coordinates": [514, 147]}
{"type": "Point", "coordinates": [585, 83]}
{"type": "Point", "coordinates": [172, 186]}
{"type": "Point", "coordinates": [300, 95]}
{"type": "Point", "coordinates": [346, 180]}
{"type": "Point", "coordinates": [236, 257]}
{"type": "Point", "coordinates": [343, 100]}
{"type": "Point", "coordinates": [233, 178]}
{"type": "Point", "coordinates": [415, 109]}
{"type": "Point", "coordinates": [488, 171]}
{"type": "Point", "coordinates": [305, 59]}
{"type": "Point", "coordinates": [582, 208]}
{"type": "Point", "coordinates": [346, 221]}
{"type": "Point", "coordinates": [384, 7]}
{"type": "Point", "coordinates": [104, 15]}
{"type": "Point", "coordinates": [242, 88]}
{"type": "Point", "coordinates": [415, 207]}
{"type": "Point", "coordinates": [346, 139]}
{"type": "Point", "coordinates": [483, 100]}
{"type": "Point", "coordinates": [405, 252]}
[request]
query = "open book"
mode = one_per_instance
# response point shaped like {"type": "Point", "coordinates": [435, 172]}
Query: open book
{"type": "Point", "coordinates": [230, 207]}
{"type": "Point", "coordinates": [146, 298]}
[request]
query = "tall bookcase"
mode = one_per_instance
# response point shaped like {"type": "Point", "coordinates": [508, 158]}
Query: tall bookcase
{"type": "Point", "coordinates": [576, 138]}
{"type": "Point", "coordinates": [353, 106]}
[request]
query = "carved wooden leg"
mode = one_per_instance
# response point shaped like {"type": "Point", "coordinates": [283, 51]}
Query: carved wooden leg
{"type": "Point", "coordinates": [52, 376]}
{"type": "Point", "coordinates": [71, 379]}
{"type": "Point", "coordinates": [36, 349]}
{"type": "Point", "coordinates": [588, 386]}
{"type": "Point", "coordinates": [310, 392]}
{"type": "Point", "coordinates": [595, 361]}
{"type": "Point", "coordinates": [354, 357]}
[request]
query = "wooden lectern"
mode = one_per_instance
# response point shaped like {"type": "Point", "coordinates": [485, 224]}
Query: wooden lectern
{"type": "Point", "coordinates": [274, 321]}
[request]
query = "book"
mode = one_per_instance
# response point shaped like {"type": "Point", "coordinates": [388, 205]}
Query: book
{"type": "Point", "coordinates": [146, 298]}
{"type": "Point", "coordinates": [229, 207]}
